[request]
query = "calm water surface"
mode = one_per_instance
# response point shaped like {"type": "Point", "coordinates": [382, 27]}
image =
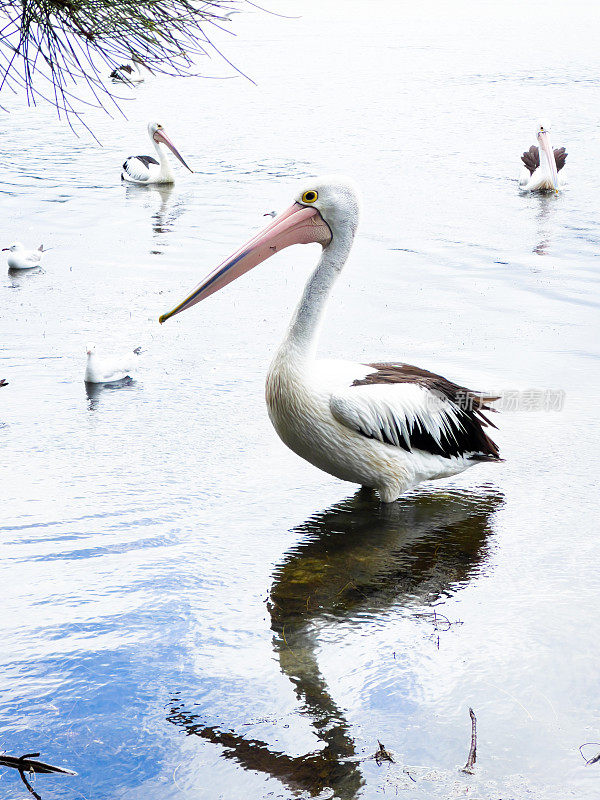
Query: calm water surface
{"type": "Point", "coordinates": [189, 610]}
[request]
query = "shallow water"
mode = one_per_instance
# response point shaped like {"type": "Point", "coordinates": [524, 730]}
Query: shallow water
{"type": "Point", "coordinates": [191, 611]}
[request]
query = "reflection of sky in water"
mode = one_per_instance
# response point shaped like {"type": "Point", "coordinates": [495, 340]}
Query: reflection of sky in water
{"type": "Point", "coordinates": [159, 552]}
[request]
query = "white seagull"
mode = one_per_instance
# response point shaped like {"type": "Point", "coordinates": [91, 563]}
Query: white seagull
{"type": "Point", "coordinates": [386, 426]}
{"type": "Point", "coordinates": [542, 164]}
{"type": "Point", "coordinates": [109, 370]}
{"type": "Point", "coordinates": [146, 169]}
{"type": "Point", "coordinates": [20, 258]}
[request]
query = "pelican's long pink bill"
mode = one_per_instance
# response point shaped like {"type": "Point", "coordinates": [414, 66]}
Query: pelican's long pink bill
{"type": "Point", "coordinates": [161, 136]}
{"type": "Point", "coordinates": [544, 141]}
{"type": "Point", "coordinates": [298, 225]}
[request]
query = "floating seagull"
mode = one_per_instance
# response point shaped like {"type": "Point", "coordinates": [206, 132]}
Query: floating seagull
{"type": "Point", "coordinates": [542, 164]}
{"type": "Point", "coordinates": [146, 169]}
{"type": "Point", "coordinates": [20, 258]}
{"type": "Point", "coordinates": [386, 426]}
{"type": "Point", "coordinates": [109, 370]}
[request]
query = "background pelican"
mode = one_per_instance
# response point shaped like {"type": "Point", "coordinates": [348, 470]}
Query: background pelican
{"type": "Point", "coordinates": [542, 164]}
{"type": "Point", "coordinates": [130, 73]}
{"type": "Point", "coordinates": [20, 258]}
{"type": "Point", "coordinates": [384, 426]}
{"type": "Point", "coordinates": [146, 169]}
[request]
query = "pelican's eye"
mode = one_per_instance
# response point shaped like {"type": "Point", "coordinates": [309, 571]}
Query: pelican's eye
{"type": "Point", "coordinates": [310, 196]}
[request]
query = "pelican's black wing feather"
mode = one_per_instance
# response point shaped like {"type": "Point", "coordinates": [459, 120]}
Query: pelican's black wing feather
{"type": "Point", "coordinates": [560, 156]}
{"type": "Point", "coordinates": [449, 422]}
{"type": "Point", "coordinates": [531, 159]}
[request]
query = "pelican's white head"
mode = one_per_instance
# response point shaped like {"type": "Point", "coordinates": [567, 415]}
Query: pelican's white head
{"type": "Point", "coordinates": [157, 133]}
{"type": "Point", "coordinates": [336, 198]}
{"type": "Point", "coordinates": [140, 63]}
{"type": "Point", "coordinates": [324, 210]}
{"type": "Point", "coordinates": [14, 247]}
{"type": "Point", "coordinates": [153, 127]}
{"type": "Point", "coordinates": [90, 349]}
{"type": "Point", "coordinates": [543, 126]}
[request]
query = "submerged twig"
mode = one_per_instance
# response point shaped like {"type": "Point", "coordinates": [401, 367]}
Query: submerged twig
{"type": "Point", "coordinates": [468, 767]}
{"type": "Point", "coordinates": [594, 759]}
{"type": "Point", "coordinates": [27, 763]}
{"type": "Point", "coordinates": [382, 755]}
{"type": "Point", "coordinates": [28, 786]}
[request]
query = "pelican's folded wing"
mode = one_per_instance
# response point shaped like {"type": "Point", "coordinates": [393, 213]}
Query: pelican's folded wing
{"type": "Point", "coordinates": [407, 407]}
{"type": "Point", "coordinates": [137, 167]}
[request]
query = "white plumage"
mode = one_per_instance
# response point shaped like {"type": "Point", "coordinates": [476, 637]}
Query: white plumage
{"type": "Point", "coordinates": [21, 258]}
{"type": "Point", "coordinates": [106, 369]}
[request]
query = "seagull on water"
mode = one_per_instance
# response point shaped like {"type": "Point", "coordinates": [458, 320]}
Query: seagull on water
{"type": "Point", "coordinates": [20, 258]}
{"type": "Point", "coordinates": [109, 369]}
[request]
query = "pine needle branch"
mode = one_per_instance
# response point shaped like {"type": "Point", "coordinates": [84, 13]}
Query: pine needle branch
{"type": "Point", "coordinates": [71, 44]}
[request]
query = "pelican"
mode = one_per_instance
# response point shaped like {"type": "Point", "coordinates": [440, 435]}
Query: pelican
{"type": "Point", "coordinates": [385, 426]}
{"type": "Point", "coordinates": [146, 169]}
{"type": "Point", "coordinates": [109, 370]}
{"type": "Point", "coordinates": [20, 258]}
{"type": "Point", "coordinates": [542, 164]}
{"type": "Point", "coordinates": [130, 73]}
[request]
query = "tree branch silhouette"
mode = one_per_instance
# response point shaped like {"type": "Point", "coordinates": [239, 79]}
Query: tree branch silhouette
{"type": "Point", "coordinates": [51, 49]}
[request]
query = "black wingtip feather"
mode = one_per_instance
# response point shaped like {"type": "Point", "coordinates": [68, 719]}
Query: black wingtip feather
{"type": "Point", "coordinates": [466, 435]}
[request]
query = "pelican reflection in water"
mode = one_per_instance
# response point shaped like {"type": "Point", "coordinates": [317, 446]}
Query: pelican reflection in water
{"type": "Point", "coordinates": [357, 559]}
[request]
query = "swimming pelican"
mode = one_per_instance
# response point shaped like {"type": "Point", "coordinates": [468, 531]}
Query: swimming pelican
{"type": "Point", "coordinates": [20, 258]}
{"type": "Point", "coordinates": [386, 426]}
{"type": "Point", "coordinates": [146, 169]}
{"type": "Point", "coordinates": [130, 73]}
{"type": "Point", "coordinates": [542, 164]}
{"type": "Point", "coordinates": [109, 370]}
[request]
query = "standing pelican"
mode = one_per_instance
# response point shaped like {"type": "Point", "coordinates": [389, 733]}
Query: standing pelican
{"type": "Point", "coordinates": [146, 169]}
{"type": "Point", "coordinates": [384, 426]}
{"type": "Point", "coordinates": [542, 164]}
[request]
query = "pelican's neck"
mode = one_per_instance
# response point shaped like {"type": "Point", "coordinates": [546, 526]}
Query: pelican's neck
{"type": "Point", "coordinates": [301, 340]}
{"type": "Point", "coordinates": [165, 167]}
{"type": "Point", "coordinates": [544, 164]}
